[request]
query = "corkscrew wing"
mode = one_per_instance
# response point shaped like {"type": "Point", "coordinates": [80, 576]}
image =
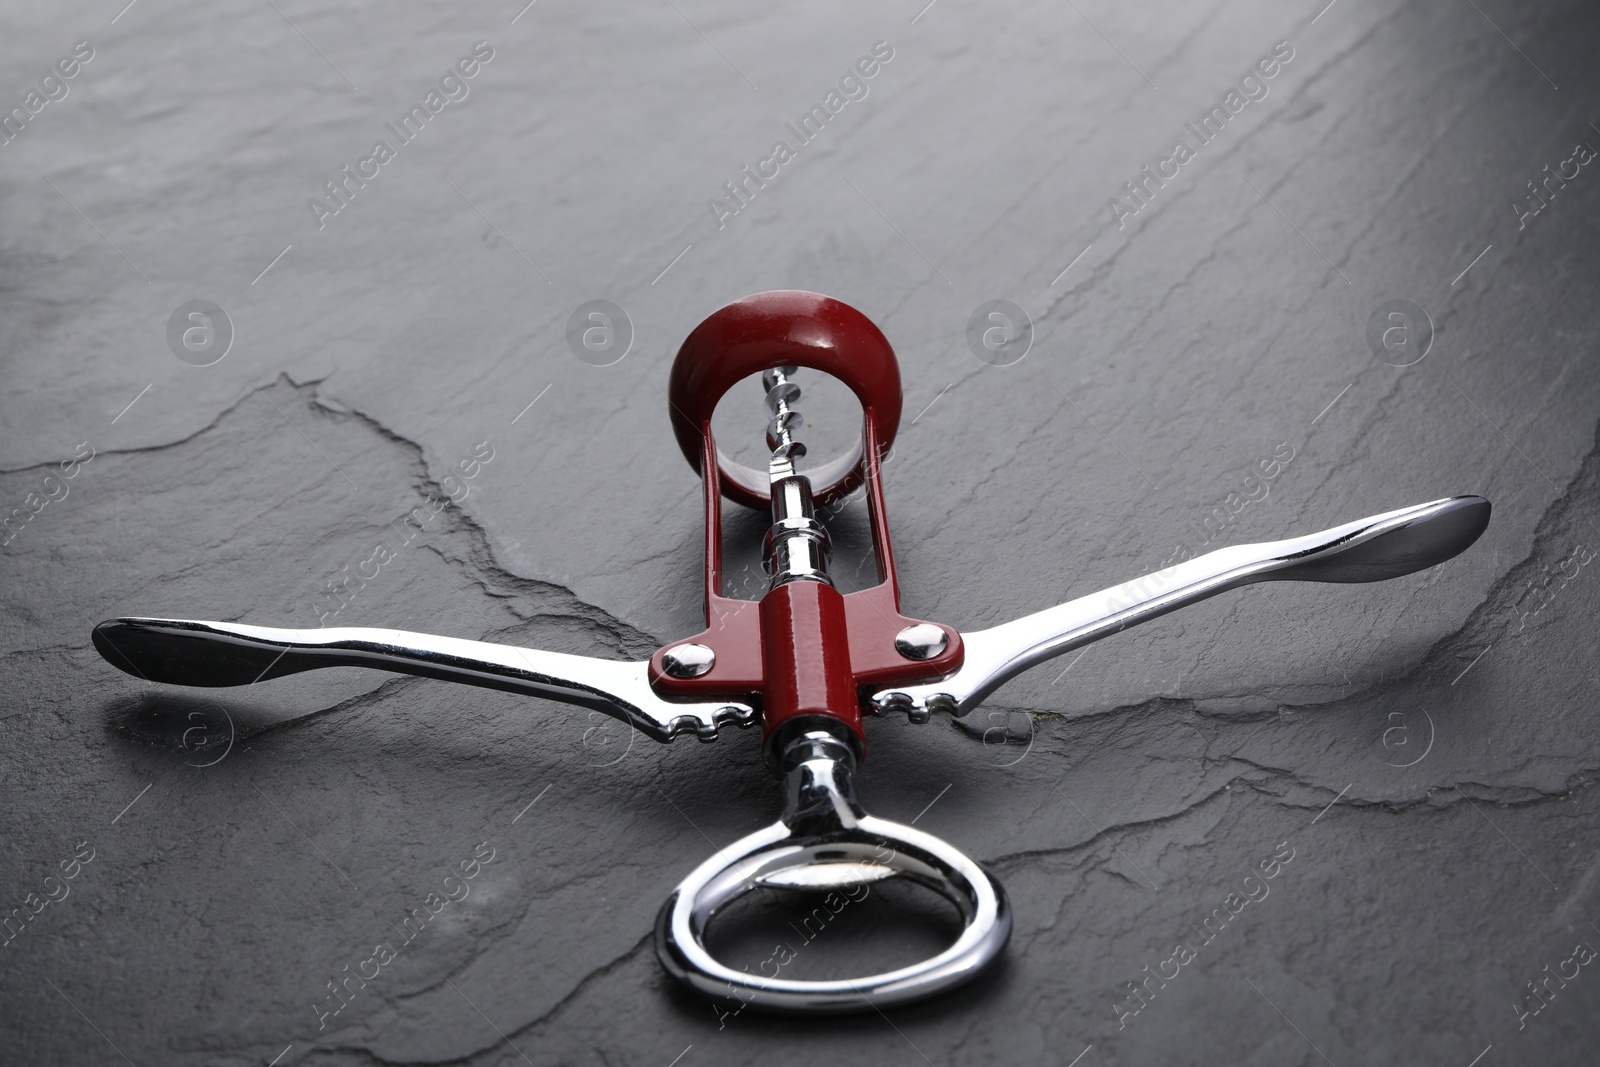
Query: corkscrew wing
{"type": "Point", "coordinates": [1382, 546]}
{"type": "Point", "coordinates": [188, 652]}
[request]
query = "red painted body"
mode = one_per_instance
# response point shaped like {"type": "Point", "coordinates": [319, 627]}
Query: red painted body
{"type": "Point", "coordinates": [805, 649]}
{"type": "Point", "coordinates": [805, 657]}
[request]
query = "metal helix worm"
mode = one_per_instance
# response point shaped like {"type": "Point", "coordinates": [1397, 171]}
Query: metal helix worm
{"type": "Point", "coordinates": [781, 393]}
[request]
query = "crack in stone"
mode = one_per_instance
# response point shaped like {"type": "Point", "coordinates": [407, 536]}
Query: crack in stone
{"type": "Point", "coordinates": [578, 988]}
{"type": "Point", "coordinates": [1577, 783]}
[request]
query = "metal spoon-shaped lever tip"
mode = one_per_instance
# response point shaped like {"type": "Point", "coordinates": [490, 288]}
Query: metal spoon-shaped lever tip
{"type": "Point", "coordinates": [1390, 545]}
{"type": "Point", "coordinates": [185, 652]}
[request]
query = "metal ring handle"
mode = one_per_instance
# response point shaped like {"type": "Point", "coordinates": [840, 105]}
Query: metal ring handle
{"type": "Point", "coordinates": [825, 841]}
{"type": "Point", "coordinates": [786, 327]}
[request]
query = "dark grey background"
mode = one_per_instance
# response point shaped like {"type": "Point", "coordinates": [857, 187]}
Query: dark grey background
{"type": "Point", "coordinates": [1228, 317]}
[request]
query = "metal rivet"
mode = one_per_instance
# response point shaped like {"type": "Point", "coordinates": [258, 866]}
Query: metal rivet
{"type": "Point", "coordinates": [922, 641]}
{"type": "Point", "coordinates": [688, 661]}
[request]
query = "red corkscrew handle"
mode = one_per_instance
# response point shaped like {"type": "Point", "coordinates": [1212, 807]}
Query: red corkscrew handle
{"type": "Point", "coordinates": [784, 328]}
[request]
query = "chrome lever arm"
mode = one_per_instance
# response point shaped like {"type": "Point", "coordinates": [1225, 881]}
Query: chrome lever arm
{"type": "Point", "coordinates": [188, 652]}
{"type": "Point", "coordinates": [1368, 550]}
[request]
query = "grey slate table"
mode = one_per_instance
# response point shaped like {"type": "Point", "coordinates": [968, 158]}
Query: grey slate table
{"type": "Point", "coordinates": [1422, 750]}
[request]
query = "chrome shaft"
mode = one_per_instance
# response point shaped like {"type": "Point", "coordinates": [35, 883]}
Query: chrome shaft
{"type": "Point", "coordinates": [797, 546]}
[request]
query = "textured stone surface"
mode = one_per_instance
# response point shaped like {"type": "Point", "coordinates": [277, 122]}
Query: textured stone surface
{"type": "Point", "coordinates": [249, 844]}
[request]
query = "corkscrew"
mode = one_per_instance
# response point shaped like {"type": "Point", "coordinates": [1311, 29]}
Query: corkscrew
{"type": "Point", "coordinates": [806, 661]}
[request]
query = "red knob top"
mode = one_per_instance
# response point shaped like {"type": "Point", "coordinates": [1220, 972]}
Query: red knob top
{"type": "Point", "coordinates": [784, 328]}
